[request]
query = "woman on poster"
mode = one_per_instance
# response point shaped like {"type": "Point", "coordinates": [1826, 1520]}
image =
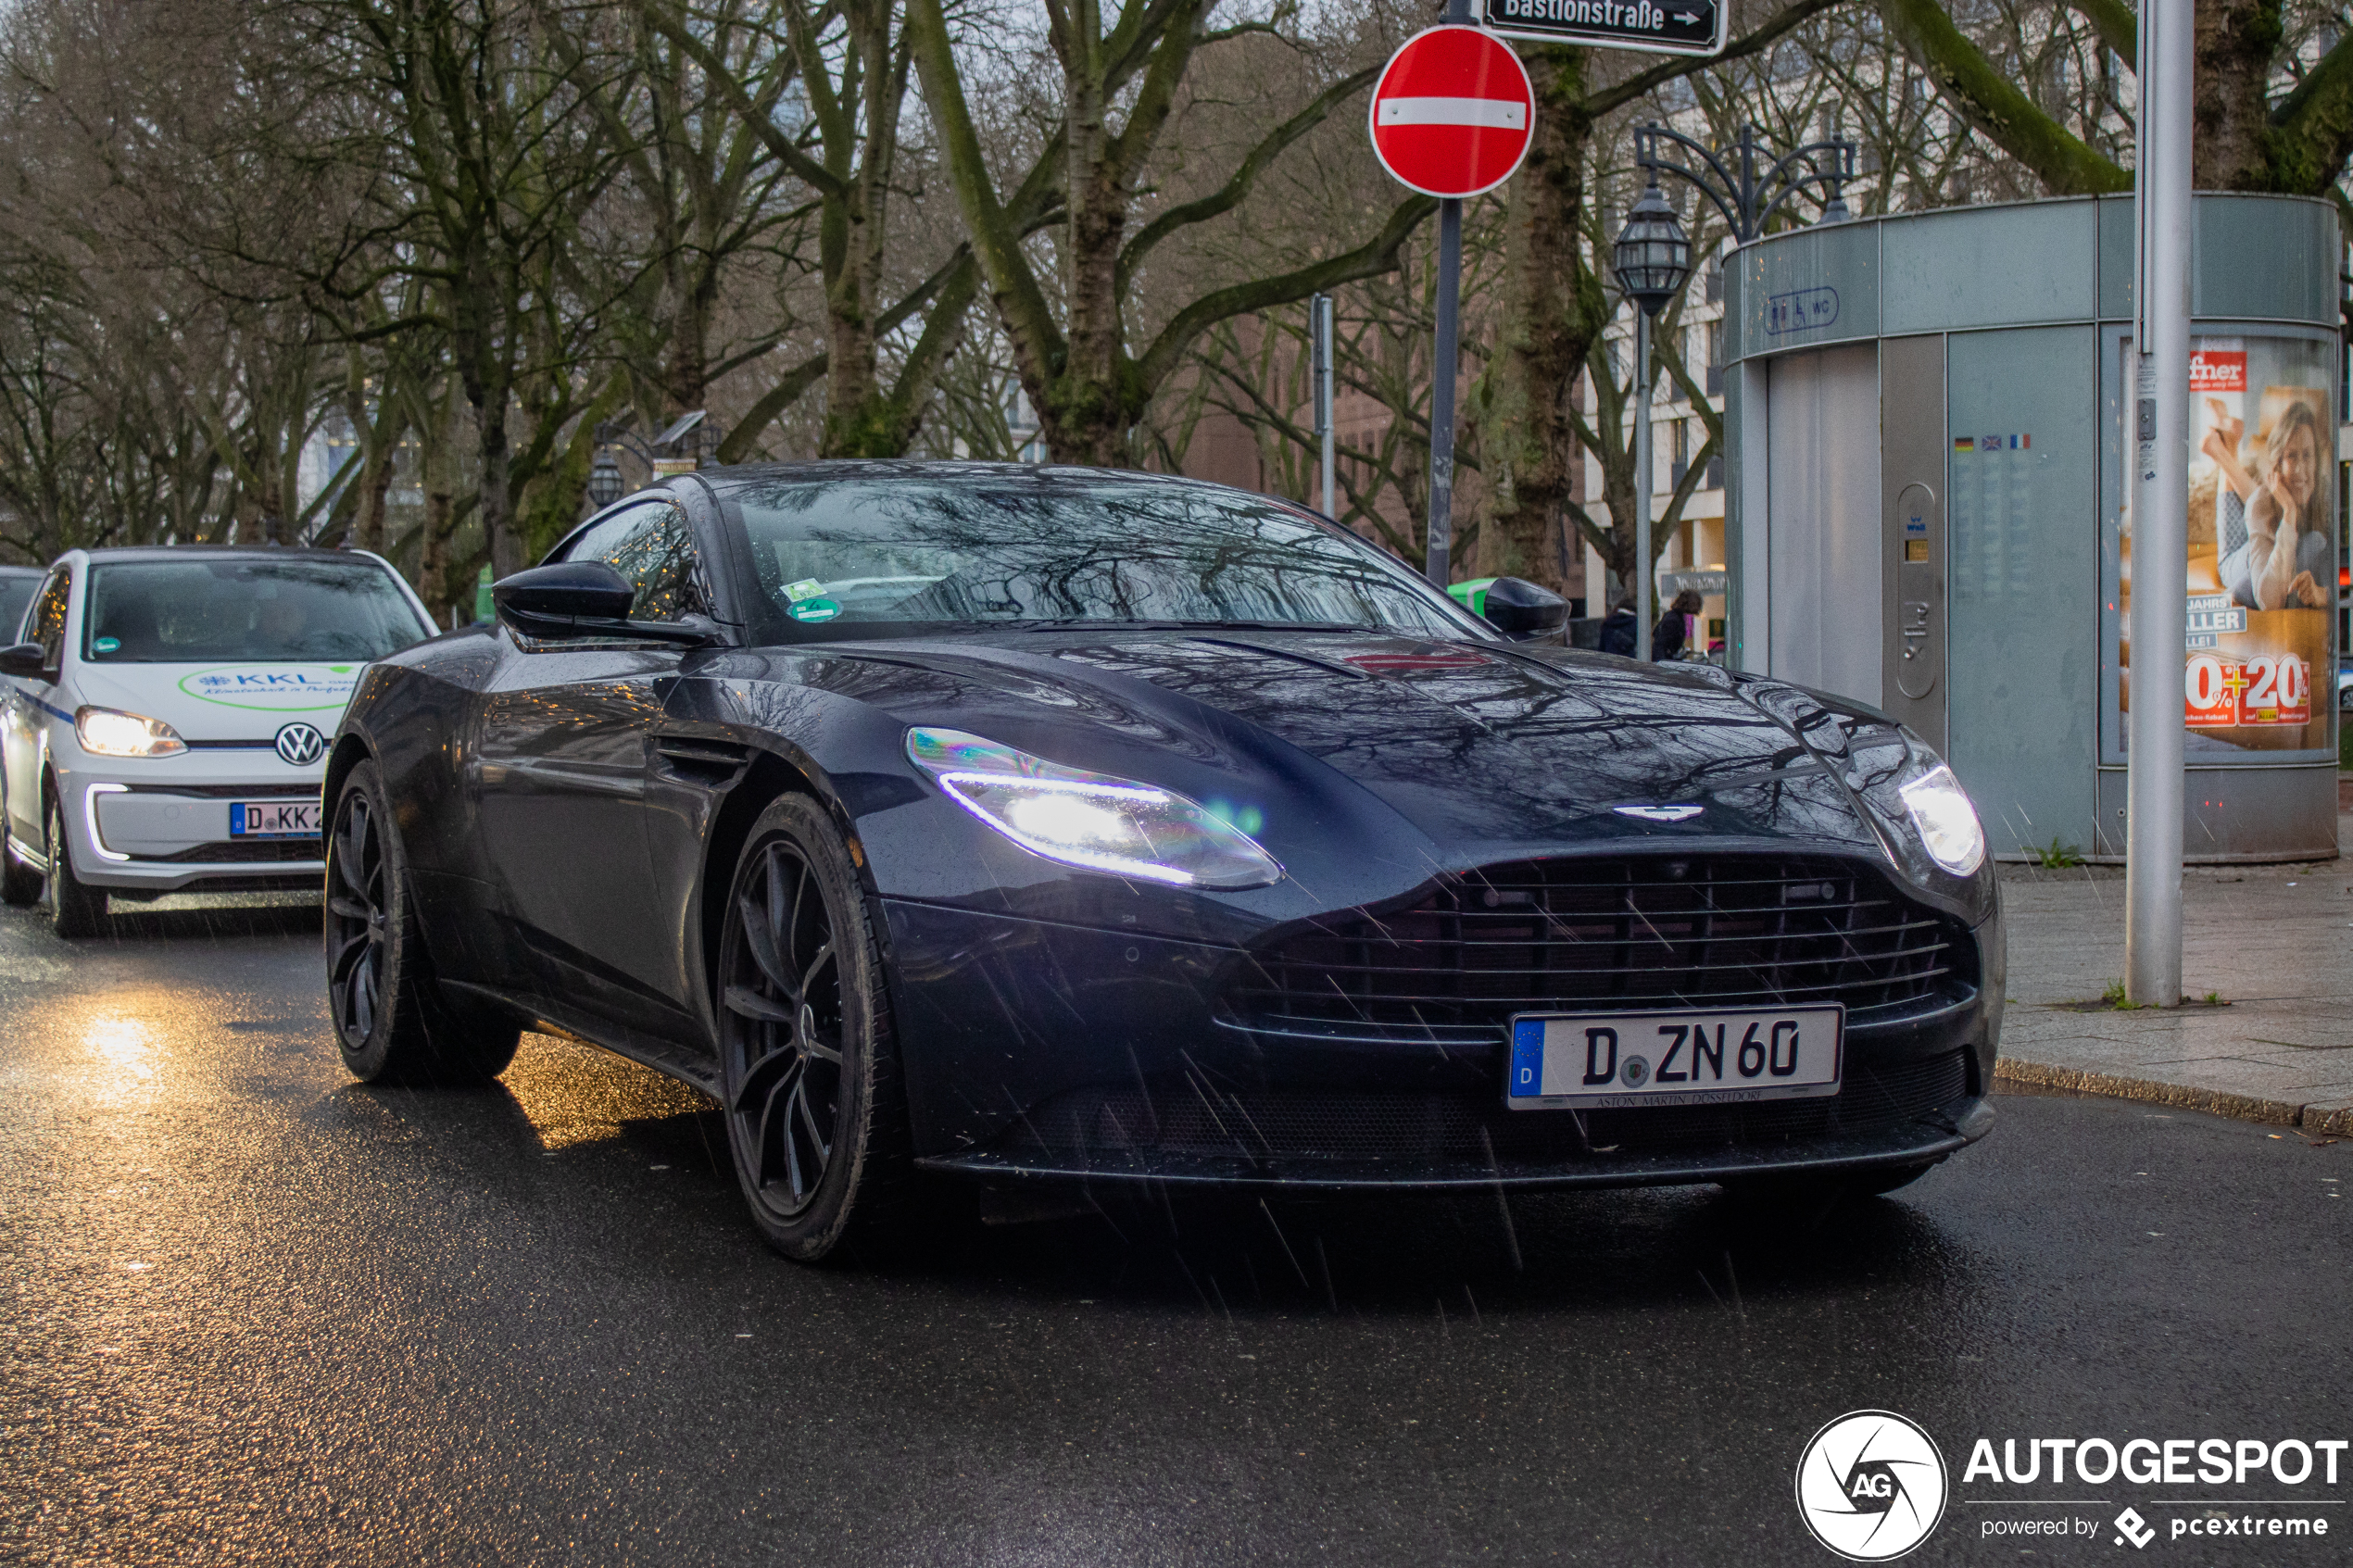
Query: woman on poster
{"type": "Point", "coordinates": [2285, 561]}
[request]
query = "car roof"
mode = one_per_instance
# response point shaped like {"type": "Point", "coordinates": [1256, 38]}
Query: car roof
{"type": "Point", "coordinates": [221, 552]}
{"type": "Point", "coordinates": [1047, 476]}
{"type": "Point", "coordinates": [23, 570]}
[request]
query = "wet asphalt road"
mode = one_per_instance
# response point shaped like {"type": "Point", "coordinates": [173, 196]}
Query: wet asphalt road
{"type": "Point", "coordinates": [250, 1311]}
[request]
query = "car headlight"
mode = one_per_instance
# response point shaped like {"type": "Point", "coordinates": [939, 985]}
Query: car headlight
{"type": "Point", "coordinates": [1945, 821]}
{"type": "Point", "coordinates": [1090, 820]}
{"type": "Point", "coordinates": [106, 731]}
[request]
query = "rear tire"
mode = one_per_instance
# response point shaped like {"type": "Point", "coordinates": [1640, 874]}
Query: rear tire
{"type": "Point", "coordinates": [392, 1021]}
{"type": "Point", "coordinates": [815, 1106]}
{"type": "Point", "coordinates": [76, 910]}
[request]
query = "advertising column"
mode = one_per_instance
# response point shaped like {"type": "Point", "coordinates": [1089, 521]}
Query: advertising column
{"type": "Point", "coordinates": [2258, 642]}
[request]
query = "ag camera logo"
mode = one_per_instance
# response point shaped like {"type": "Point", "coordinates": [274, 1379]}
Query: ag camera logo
{"type": "Point", "coordinates": [1871, 1485]}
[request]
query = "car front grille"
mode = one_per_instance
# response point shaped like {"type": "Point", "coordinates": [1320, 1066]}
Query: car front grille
{"type": "Point", "coordinates": [1546, 935]}
{"type": "Point", "coordinates": [1192, 1117]}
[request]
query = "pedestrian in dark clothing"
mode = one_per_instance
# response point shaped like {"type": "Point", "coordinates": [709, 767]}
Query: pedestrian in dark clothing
{"type": "Point", "coordinates": [1617, 631]}
{"type": "Point", "coordinates": [1667, 640]}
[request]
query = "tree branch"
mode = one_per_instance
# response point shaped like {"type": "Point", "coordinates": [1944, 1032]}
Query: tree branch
{"type": "Point", "coordinates": [2312, 133]}
{"type": "Point", "coordinates": [1992, 105]}
{"type": "Point", "coordinates": [1371, 259]}
{"type": "Point", "coordinates": [1747, 44]}
{"type": "Point", "coordinates": [1239, 187]}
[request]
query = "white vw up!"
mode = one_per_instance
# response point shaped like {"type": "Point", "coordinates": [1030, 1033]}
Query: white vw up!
{"type": "Point", "coordinates": [167, 718]}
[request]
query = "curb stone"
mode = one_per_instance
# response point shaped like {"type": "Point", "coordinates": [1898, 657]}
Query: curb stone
{"type": "Point", "coordinates": [2336, 1120]}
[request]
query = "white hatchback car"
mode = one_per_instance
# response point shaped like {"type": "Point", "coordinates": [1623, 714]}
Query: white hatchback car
{"type": "Point", "coordinates": [167, 718]}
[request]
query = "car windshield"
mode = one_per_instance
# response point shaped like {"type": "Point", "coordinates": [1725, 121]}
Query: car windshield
{"type": "Point", "coordinates": [233, 610]}
{"type": "Point", "coordinates": [15, 594]}
{"type": "Point", "coordinates": [874, 554]}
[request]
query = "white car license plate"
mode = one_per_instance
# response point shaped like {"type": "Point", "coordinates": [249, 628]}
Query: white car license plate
{"type": "Point", "coordinates": [274, 819]}
{"type": "Point", "coordinates": [1689, 1056]}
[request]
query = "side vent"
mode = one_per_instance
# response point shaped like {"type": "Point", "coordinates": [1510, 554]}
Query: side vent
{"type": "Point", "coordinates": [693, 759]}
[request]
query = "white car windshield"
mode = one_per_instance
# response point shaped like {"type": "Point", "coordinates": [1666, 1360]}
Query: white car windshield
{"type": "Point", "coordinates": [239, 608]}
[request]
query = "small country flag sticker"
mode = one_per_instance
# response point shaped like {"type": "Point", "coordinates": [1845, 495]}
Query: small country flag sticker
{"type": "Point", "coordinates": [1964, 444]}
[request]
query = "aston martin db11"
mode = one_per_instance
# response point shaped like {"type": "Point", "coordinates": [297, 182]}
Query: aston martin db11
{"type": "Point", "coordinates": [1027, 824]}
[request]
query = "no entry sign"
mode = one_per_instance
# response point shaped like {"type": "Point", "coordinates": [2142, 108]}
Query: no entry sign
{"type": "Point", "coordinates": [1453, 112]}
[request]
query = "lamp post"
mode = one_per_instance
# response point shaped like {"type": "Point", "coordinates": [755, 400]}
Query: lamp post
{"type": "Point", "coordinates": [2160, 507]}
{"type": "Point", "coordinates": [604, 479]}
{"type": "Point", "coordinates": [1654, 258]}
{"type": "Point", "coordinates": [1748, 199]}
{"type": "Point", "coordinates": [605, 483]}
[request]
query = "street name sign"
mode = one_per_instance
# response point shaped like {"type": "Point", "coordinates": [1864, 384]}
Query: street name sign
{"type": "Point", "coordinates": [1659, 26]}
{"type": "Point", "coordinates": [1453, 113]}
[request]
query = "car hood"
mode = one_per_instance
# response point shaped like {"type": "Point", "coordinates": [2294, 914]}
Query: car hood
{"type": "Point", "coordinates": [1489, 750]}
{"type": "Point", "coordinates": [220, 702]}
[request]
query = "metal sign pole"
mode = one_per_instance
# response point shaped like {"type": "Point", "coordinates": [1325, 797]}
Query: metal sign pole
{"type": "Point", "coordinates": [1320, 320]}
{"type": "Point", "coordinates": [2160, 509]}
{"type": "Point", "coordinates": [1643, 616]}
{"type": "Point", "coordinates": [1437, 568]}
{"type": "Point", "coordinates": [1441, 391]}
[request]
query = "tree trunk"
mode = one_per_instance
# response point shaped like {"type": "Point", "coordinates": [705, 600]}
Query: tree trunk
{"type": "Point", "coordinates": [2230, 110]}
{"type": "Point", "coordinates": [1557, 307]}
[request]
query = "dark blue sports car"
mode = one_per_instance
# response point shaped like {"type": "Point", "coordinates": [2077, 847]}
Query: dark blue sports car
{"type": "Point", "coordinates": [1021, 824]}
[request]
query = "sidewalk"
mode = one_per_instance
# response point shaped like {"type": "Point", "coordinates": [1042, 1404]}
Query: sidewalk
{"type": "Point", "coordinates": [2275, 943]}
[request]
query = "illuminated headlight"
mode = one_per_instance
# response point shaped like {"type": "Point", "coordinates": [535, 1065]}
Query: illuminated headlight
{"type": "Point", "coordinates": [1092, 820]}
{"type": "Point", "coordinates": [107, 733]}
{"type": "Point", "coordinates": [1945, 821]}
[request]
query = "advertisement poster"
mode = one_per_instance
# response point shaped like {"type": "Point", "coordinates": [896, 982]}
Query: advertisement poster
{"type": "Point", "coordinates": [2261, 566]}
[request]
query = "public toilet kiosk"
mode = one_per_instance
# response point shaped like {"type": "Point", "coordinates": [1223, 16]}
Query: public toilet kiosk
{"type": "Point", "coordinates": [1927, 415]}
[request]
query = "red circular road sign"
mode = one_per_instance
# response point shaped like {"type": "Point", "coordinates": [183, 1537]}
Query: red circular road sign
{"type": "Point", "coordinates": [1453, 112]}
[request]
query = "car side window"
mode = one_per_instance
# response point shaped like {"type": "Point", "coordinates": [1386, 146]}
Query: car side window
{"type": "Point", "coordinates": [46, 625]}
{"type": "Point", "coordinates": [654, 548]}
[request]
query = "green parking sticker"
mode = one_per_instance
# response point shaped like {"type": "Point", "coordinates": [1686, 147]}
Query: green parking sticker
{"type": "Point", "coordinates": [812, 610]}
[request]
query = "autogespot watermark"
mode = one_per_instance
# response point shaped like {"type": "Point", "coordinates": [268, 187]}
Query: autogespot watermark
{"type": "Point", "coordinates": [1873, 1484]}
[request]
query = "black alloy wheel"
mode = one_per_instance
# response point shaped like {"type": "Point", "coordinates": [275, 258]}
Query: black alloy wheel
{"type": "Point", "coordinates": [392, 1021]}
{"type": "Point", "coordinates": [76, 909]}
{"type": "Point", "coordinates": [356, 918]}
{"type": "Point", "coordinates": [815, 1115]}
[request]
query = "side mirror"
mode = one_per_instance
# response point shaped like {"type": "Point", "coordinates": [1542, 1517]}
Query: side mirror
{"type": "Point", "coordinates": [1523, 611]}
{"type": "Point", "coordinates": [583, 598]}
{"type": "Point", "coordinates": [26, 660]}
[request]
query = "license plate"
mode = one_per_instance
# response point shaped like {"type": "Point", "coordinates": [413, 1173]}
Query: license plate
{"type": "Point", "coordinates": [1684, 1057]}
{"type": "Point", "coordinates": [274, 819]}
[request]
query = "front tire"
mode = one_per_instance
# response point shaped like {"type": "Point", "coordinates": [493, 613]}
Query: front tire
{"type": "Point", "coordinates": [76, 910]}
{"type": "Point", "coordinates": [391, 1019]}
{"type": "Point", "coordinates": [816, 1106]}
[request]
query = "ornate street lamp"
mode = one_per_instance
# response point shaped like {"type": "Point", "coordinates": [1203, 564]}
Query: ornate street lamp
{"type": "Point", "coordinates": [1653, 256]}
{"type": "Point", "coordinates": [1746, 199]}
{"type": "Point", "coordinates": [1653, 259]}
{"type": "Point", "coordinates": [604, 479]}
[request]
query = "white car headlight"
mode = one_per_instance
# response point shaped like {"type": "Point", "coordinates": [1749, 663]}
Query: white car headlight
{"type": "Point", "coordinates": [1945, 821]}
{"type": "Point", "coordinates": [1092, 820]}
{"type": "Point", "coordinates": [106, 731]}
